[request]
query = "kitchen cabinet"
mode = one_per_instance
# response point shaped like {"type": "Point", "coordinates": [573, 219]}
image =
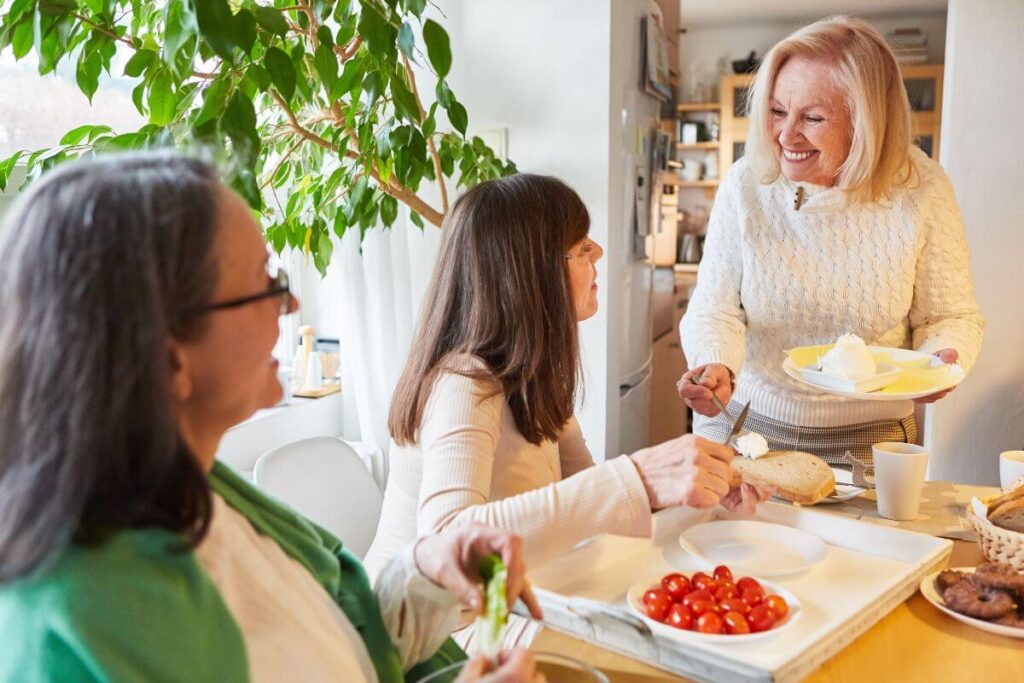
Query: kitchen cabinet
{"type": "Point", "coordinates": [669, 414]}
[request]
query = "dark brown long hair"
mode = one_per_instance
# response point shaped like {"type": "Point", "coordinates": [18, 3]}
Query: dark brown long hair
{"type": "Point", "coordinates": [501, 292]}
{"type": "Point", "coordinates": [102, 260]}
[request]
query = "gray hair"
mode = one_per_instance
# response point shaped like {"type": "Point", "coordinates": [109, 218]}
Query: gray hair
{"type": "Point", "coordinates": [100, 263]}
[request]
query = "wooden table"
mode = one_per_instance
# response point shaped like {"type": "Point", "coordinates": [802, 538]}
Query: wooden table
{"type": "Point", "coordinates": [915, 642]}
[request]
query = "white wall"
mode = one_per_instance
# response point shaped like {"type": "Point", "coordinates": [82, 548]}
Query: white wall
{"type": "Point", "coordinates": [983, 152]}
{"type": "Point", "coordinates": [540, 68]}
{"type": "Point", "coordinates": [707, 46]}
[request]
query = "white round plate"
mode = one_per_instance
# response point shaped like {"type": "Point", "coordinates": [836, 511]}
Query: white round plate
{"type": "Point", "coordinates": [931, 594]}
{"type": "Point", "coordinates": [956, 373]}
{"type": "Point", "coordinates": [635, 599]}
{"type": "Point", "coordinates": [752, 547]}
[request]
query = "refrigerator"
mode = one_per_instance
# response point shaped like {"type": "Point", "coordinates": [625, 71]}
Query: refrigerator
{"type": "Point", "coordinates": [632, 268]}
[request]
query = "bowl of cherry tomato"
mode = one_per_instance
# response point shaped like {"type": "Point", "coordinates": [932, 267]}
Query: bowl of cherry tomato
{"type": "Point", "coordinates": [715, 607]}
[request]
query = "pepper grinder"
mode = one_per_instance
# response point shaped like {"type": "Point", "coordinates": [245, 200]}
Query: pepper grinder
{"type": "Point", "coordinates": [306, 346]}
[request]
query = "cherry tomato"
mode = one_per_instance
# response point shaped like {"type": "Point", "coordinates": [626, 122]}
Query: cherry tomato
{"type": "Point", "coordinates": [761, 618]}
{"type": "Point", "coordinates": [709, 622]}
{"type": "Point", "coordinates": [677, 586]}
{"type": "Point", "coordinates": [653, 593]}
{"type": "Point", "coordinates": [726, 591]}
{"type": "Point", "coordinates": [735, 605]}
{"type": "Point", "coordinates": [735, 623]}
{"type": "Point", "coordinates": [658, 608]}
{"type": "Point", "coordinates": [702, 581]}
{"type": "Point", "coordinates": [747, 582]}
{"type": "Point", "coordinates": [723, 573]}
{"type": "Point", "coordinates": [694, 596]}
{"type": "Point", "coordinates": [680, 616]}
{"type": "Point", "coordinates": [699, 607]}
{"type": "Point", "coordinates": [780, 608]}
{"type": "Point", "coordinates": [752, 596]}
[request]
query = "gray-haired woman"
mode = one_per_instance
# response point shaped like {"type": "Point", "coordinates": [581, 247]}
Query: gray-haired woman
{"type": "Point", "coordinates": [139, 311]}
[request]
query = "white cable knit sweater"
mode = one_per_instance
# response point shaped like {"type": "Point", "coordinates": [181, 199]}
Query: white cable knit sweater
{"type": "Point", "coordinates": [774, 278]}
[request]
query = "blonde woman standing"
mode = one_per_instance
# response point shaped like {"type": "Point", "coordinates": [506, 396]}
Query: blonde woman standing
{"type": "Point", "coordinates": [833, 222]}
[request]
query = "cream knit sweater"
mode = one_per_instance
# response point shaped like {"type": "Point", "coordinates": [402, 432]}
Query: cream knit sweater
{"type": "Point", "coordinates": [471, 464]}
{"type": "Point", "coordinates": [773, 278]}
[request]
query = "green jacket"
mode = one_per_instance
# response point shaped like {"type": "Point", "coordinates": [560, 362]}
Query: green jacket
{"type": "Point", "coordinates": [133, 609]}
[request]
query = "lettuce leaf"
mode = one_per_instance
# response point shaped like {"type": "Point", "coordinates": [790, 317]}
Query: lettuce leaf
{"type": "Point", "coordinates": [490, 626]}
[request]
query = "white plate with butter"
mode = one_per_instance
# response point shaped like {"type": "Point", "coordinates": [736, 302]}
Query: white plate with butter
{"type": "Point", "coordinates": [905, 375]}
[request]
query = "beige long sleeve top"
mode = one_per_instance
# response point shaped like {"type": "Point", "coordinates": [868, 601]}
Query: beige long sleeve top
{"type": "Point", "coordinates": [471, 464]}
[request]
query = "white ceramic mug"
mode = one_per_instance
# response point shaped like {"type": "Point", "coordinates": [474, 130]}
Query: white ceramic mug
{"type": "Point", "coordinates": [1011, 467]}
{"type": "Point", "coordinates": [899, 478]}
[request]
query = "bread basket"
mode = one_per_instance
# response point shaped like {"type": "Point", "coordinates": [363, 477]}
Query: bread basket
{"type": "Point", "coordinates": [999, 545]}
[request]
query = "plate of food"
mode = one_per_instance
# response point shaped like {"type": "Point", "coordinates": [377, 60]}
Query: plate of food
{"type": "Point", "coordinates": [754, 547]}
{"type": "Point", "coordinates": [989, 597]}
{"type": "Point", "coordinates": [713, 607]}
{"type": "Point", "coordinates": [853, 369]}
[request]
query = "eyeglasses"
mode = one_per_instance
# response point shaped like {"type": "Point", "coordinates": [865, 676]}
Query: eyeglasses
{"type": "Point", "coordinates": [278, 287]}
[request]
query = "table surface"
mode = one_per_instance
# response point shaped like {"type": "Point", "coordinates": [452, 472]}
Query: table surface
{"type": "Point", "coordinates": [915, 642]}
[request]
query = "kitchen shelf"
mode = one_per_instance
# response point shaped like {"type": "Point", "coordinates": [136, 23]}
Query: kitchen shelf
{"type": "Point", "coordinates": [697, 145]}
{"type": "Point", "coordinates": [671, 179]}
{"type": "Point", "coordinates": [699, 106]}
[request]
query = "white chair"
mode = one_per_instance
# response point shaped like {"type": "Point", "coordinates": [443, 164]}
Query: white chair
{"type": "Point", "coordinates": [324, 479]}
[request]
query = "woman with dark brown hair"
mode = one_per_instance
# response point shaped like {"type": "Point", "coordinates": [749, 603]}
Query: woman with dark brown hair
{"type": "Point", "coordinates": [482, 419]}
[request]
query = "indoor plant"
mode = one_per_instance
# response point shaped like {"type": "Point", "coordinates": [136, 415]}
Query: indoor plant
{"type": "Point", "coordinates": [313, 103]}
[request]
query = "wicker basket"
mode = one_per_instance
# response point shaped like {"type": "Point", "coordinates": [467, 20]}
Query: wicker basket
{"type": "Point", "coordinates": [999, 545]}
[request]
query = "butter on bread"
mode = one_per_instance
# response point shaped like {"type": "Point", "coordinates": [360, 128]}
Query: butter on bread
{"type": "Point", "coordinates": [796, 476]}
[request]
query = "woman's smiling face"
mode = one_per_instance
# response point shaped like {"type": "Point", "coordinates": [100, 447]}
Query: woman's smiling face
{"type": "Point", "coordinates": [810, 123]}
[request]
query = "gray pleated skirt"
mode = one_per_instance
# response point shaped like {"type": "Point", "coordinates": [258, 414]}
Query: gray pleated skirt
{"type": "Point", "coordinates": [828, 443]}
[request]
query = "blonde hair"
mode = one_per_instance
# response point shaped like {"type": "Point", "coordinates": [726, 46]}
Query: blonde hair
{"type": "Point", "coordinates": [866, 72]}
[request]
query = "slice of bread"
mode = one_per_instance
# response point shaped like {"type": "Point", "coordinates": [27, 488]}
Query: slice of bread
{"type": "Point", "coordinates": [1007, 511]}
{"type": "Point", "coordinates": [801, 477]}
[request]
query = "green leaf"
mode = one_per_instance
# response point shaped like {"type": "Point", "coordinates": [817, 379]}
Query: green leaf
{"type": "Point", "coordinates": [23, 38]}
{"type": "Point", "coordinates": [216, 24]}
{"type": "Point", "coordinates": [430, 122]}
{"type": "Point", "coordinates": [57, 7]}
{"type": "Point", "coordinates": [244, 29]}
{"type": "Point", "coordinates": [282, 71]}
{"type": "Point", "coordinates": [372, 86]}
{"type": "Point", "coordinates": [139, 62]}
{"type": "Point", "coordinates": [340, 224]}
{"type": "Point", "coordinates": [388, 210]}
{"type": "Point", "coordinates": [326, 65]}
{"type": "Point", "coordinates": [244, 182]}
{"type": "Point", "coordinates": [457, 115]}
{"type": "Point", "coordinates": [406, 41]}
{"type": "Point", "coordinates": [239, 123]}
{"type": "Point", "coordinates": [6, 167]}
{"type": "Point", "coordinates": [271, 20]}
{"type": "Point", "coordinates": [215, 98]}
{"type": "Point", "coordinates": [179, 28]}
{"type": "Point", "coordinates": [416, 219]}
{"type": "Point", "coordinates": [346, 31]}
{"type": "Point", "coordinates": [87, 74]}
{"type": "Point", "coordinates": [138, 93]}
{"type": "Point", "coordinates": [438, 47]}
{"type": "Point", "coordinates": [378, 35]}
{"type": "Point", "coordinates": [416, 7]}
{"type": "Point", "coordinates": [162, 102]}
{"type": "Point", "coordinates": [260, 76]}
{"type": "Point", "coordinates": [325, 248]}
{"type": "Point", "coordinates": [444, 94]}
{"type": "Point", "coordinates": [404, 100]}
{"type": "Point", "coordinates": [324, 36]}
{"type": "Point", "coordinates": [354, 69]}
{"type": "Point", "coordinates": [76, 135]}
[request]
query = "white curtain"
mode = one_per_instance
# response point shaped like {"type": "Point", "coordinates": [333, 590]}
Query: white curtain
{"type": "Point", "coordinates": [376, 287]}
